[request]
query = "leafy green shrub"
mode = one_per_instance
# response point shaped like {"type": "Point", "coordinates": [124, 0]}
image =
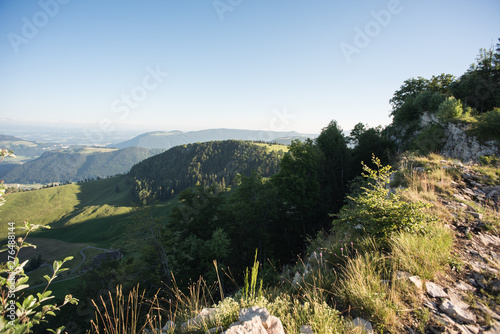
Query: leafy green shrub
{"type": "Point", "coordinates": [380, 211]}
{"type": "Point", "coordinates": [20, 312]}
{"type": "Point", "coordinates": [429, 140]}
{"type": "Point", "coordinates": [487, 126]}
{"type": "Point", "coordinates": [450, 109]}
{"type": "Point", "coordinates": [489, 160]}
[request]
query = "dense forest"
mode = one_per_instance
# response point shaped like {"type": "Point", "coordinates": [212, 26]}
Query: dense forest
{"type": "Point", "coordinates": [210, 163]}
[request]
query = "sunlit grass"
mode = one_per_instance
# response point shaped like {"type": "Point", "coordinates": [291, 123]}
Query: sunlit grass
{"type": "Point", "coordinates": [425, 255]}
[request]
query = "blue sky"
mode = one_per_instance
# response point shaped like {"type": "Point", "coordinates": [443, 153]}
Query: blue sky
{"type": "Point", "coordinates": [260, 64]}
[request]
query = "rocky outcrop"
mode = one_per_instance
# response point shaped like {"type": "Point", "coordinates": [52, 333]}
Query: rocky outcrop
{"type": "Point", "coordinates": [250, 320]}
{"type": "Point", "coordinates": [459, 145]}
{"type": "Point", "coordinates": [256, 320]}
{"type": "Point", "coordinates": [462, 303]}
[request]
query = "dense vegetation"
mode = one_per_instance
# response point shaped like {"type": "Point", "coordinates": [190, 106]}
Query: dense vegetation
{"type": "Point", "coordinates": [211, 163]}
{"type": "Point", "coordinates": [211, 223]}
{"type": "Point", "coordinates": [473, 100]}
{"type": "Point", "coordinates": [77, 165]}
{"type": "Point", "coordinates": [204, 209]}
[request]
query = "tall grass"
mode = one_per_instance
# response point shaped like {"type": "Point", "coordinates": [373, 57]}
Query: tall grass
{"type": "Point", "coordinates": [126, 314]}
{"type": "Point", "coordinates": [364, 287]}
{"type": "Point", "coordinates": [425, 255]}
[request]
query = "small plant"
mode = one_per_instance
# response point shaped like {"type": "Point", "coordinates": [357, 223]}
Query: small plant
{"type": "Point", "coordinates": [21, 312]}
{"type": "Point", "coordinates": [380, 211]}
{"type": "Point", "coordinates": [489, 160]}
{"type": "Point", "coordinates": [250, 287]}
{"type": "Point", "coordinates": [423, 254]}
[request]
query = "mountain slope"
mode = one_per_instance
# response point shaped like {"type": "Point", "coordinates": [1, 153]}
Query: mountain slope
{"type": "Point", "coordinates": [62, 166]}
{"type": "Point", "coordinates": [216, 162]}
{"type": "Point", "coordinates": [166, 140]}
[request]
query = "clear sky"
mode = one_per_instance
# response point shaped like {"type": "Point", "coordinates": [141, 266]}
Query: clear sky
{"type": "Point", "coordinates": [248, 64]}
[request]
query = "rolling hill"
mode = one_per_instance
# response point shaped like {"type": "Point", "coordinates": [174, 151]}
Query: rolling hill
{"type": "Point", "coordinates": [217, 162]}
{"type": "Point", "coordinates": [77, 165]}
{"type": "Point", "coordinates": [166, 140]}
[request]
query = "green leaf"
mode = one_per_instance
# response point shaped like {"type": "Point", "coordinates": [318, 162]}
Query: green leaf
{"type": "Point", "coordinates": [69, 258]}
{"type": "Point", "coordinates": [21, 287]}
{"type": "Point", "coordinates": [56, 265]}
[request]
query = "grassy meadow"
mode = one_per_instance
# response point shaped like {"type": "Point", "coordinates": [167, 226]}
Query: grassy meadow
{"type": "Point", "coordinates": [93, 212]}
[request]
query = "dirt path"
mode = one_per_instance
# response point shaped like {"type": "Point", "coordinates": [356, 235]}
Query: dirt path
{"type": "Point", "coordinates": [84, 257]}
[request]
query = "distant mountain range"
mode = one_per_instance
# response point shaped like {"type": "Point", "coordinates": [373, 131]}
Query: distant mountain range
{"type": "Point", "coordinates": [77, 165]}
{"type": "Point", "coordinates": [166, 140]}
{"type": "Point", "coordinates": [40, 162]}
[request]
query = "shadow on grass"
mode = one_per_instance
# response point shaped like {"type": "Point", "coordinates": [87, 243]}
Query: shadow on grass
{"type": "Point", "coordinates": [99, 231]}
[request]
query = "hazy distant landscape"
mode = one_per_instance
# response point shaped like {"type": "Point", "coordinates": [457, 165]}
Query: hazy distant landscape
{"type": "Point", "coordinates": [240, 167]}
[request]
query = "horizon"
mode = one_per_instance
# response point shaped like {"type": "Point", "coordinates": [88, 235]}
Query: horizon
{"type": "Point", "coordinates": [281, 66]}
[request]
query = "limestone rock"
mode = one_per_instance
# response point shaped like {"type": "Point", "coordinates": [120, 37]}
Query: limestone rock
{"type": "Point", "coordinates": [461, 146]}
{"type": "Point", "coordinates": [416, 281]}
{"type": "Point", "coordinates": [206, 317]}
{"type": "Point", "coordinates": [252, 326]}
{"type": "Point", "coordinates": [274, 326]}
{"type": "Point", "coordinates": [435, 290]}
{"type": "Point", "coordinates": [306, 329]}
{"type": "Point", "coordinates": [256, 320]}
{"type": "Point", "coordinates": [464, 286]}
{"type": "Point", "coordinates": [169, 327]}
{"type": "Point", "coordinates": [365, 324]}
{"type": "Point", "coordinates": [457, 312]}
{"type": "Point", "coordinates": [486, 310]}
{"type": "Point", "coordinates": [494, 328]}
{"type": "Point", "coordinates": [215, 330]}
{"type": "Point", "coordinates": [248, 314]}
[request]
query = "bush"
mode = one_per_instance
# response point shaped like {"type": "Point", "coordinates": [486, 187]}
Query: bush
{"type": "Point", "coordinates": [380, 211]}
{"type": "Point", "coordinates": [449, 110]}
{"type": "Point", "coordinates": [487, 126]}
{"type": "Point", "coordinates": [429, 140]}
{"type": "Point", "coordinates": [489, 160]}
{"type": "Point", "coordinates": [20, 312]}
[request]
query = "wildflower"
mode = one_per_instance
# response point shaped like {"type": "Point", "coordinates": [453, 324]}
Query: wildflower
{"type": "Point", "coordinates": [352, 243]}
{"type": "Point", "coordinates": [342, 249]}
{"type": "Point", "coordinates": [320, 254]}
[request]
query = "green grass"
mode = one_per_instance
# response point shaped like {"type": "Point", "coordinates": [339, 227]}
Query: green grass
{"type": "Point", "coordinates": [424, 255]}
{"type": "Point", "coordinates": [90, 212]}
{"type": "Point", "coordinates": [274, 147]}
{"type": "Point", "coordinates": [58, 288]}
{"type": "Point", "coordinates": [41, 207]}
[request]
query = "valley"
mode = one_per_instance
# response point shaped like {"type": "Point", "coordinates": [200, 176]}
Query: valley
{"type": "Point", "coordinates": [380, 229]}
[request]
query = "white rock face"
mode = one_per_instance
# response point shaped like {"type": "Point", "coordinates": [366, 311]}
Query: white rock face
{"type": "Point", "coordinates": [435, 290]}
{"type": "Point", "coordinates": [428, 119]}
{"type": "Point", "coordinates": [467, 148]}
{"type": "Point", "coordinates": [457, 312]}
{"type": "Point", "coordinates": [256, 320]}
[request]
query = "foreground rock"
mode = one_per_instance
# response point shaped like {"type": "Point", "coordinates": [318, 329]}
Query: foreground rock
{"type": "Point", "coordinates": [256, 320]}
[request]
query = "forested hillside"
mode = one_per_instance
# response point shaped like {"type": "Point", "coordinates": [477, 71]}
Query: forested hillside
{"type": "Point", "coordinates": [210, 163]}
{"type": "Point", "coordinates": [77, 165]}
